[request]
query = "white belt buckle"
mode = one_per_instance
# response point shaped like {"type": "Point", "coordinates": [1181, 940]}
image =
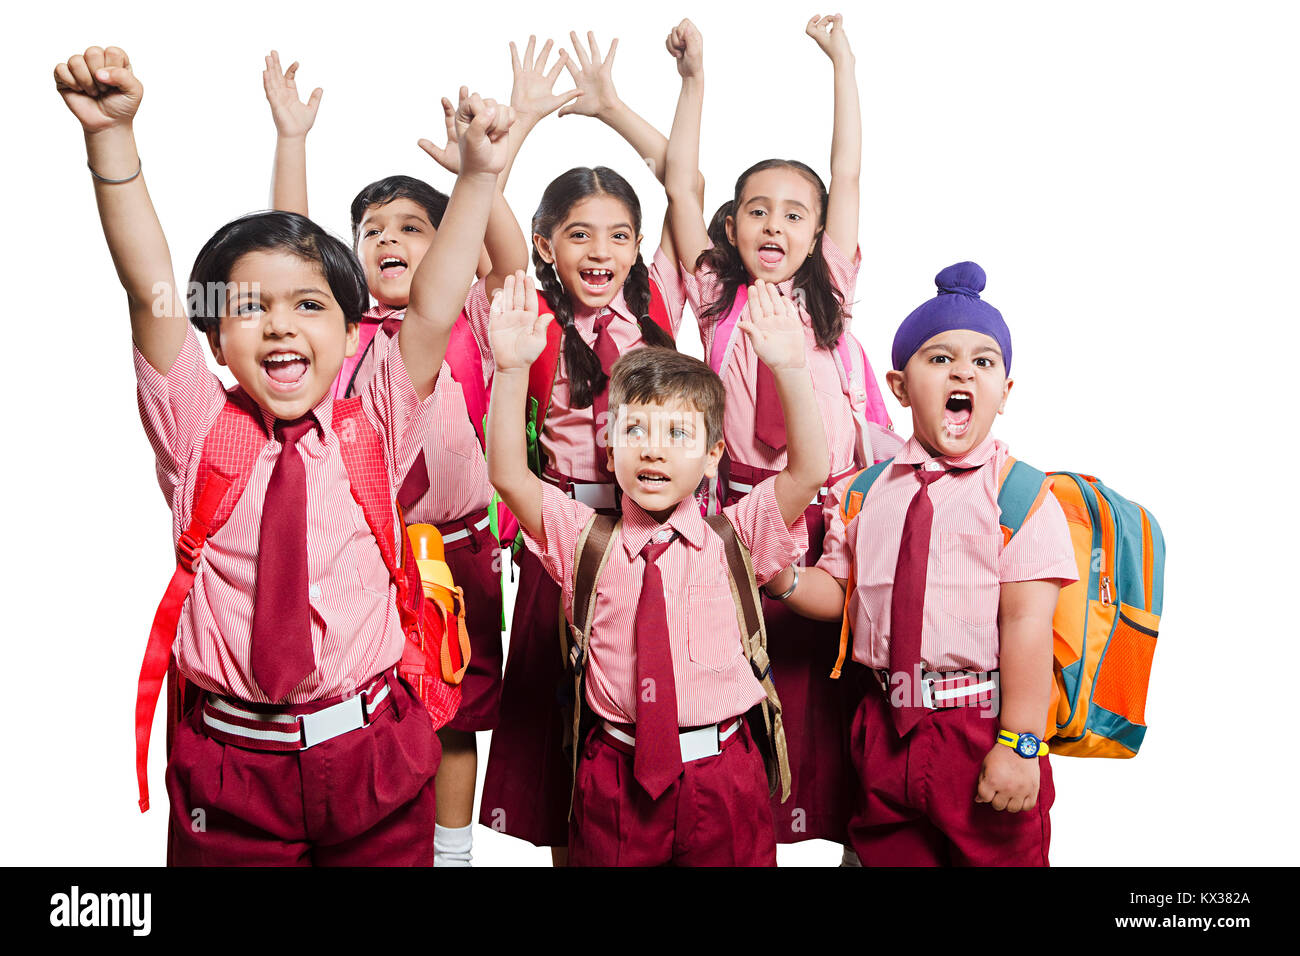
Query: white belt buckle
{"type": "Point", "coordinates": [927, 692]}
{"type": "Point", "coordinates": [739, 486]}
{"type": "Point", "coordinates": [700, 743]}
{"type": "Point", "coordinates": [594, 495]}
{"type": "Point", "coordinates": [333, 721]}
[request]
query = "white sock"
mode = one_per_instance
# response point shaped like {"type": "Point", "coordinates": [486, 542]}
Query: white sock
{"type": "Point", "coordinates": [849, 858]}
{"type": "Point", "coordinates": [452, 845]}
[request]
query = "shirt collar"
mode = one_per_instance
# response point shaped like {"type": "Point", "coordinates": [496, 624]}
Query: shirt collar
{"type": "Point", "coordinates": [913, 454]}
{"type": "Point", "coordinates": [639, 527]}
{"type": "Point", "coordinates": [323, 411]}
{"type": "Point", "coordinates": [378, 313]}
{"type": "Point", "coordinates": [617, 305]}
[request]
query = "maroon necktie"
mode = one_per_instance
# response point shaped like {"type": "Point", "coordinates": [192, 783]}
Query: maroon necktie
{"type": "Point", "coordinates": [907, 605]}
{"type": "Point", "coordinates": [281, 643]}
{"type": "Point", "coordinates": [769, 420]}
{"type": "Point", "coordinates": [607, 352]}
{"type": "Point", "coordinates": [658, 758]}
{"type": "Point", "coordinates": [392, 323]}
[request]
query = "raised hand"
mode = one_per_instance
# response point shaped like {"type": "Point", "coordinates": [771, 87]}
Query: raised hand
{"type": "Point", "coordinates": [482, 132]}
{"type": "Point", "coordinates": [593, 76]}
{"type": "Point", "coordinates": [448, 157]}
{"type": "Point", "coordinates": [687, 47]}
{"type": "Point", "coordinates": [774, 327]}
{"type": "Point", "coordinates": [532, 96]}
{"type": "Point", "coordinates": [99, 88]}
{"type": "Point", "coordinates": [293, 118]}
{"type": "Point", "coordinates": [516, 332]}
{"type": "Point", "coordinates": [829, 34]}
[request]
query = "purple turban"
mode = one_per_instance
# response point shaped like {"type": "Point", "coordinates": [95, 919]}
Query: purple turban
{"type": "Point", "coordinates": [957, 306]}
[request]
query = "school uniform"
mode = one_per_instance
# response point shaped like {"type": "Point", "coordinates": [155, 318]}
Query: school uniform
{"type": "Point", "coordinates": [455, 499]}
{"type": "Point", "coordinates": [715, 811]}
{"type": "Point", "coordinates": [815, 708]}
{"type": "Point", "coordinates": [527, 784]}
{"type": "Point", "coordinates": [917, 790]}
{"type": "Point", "coordinates": [278, 805]}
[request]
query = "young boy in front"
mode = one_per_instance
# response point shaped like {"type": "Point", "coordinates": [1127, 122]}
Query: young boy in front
{"type": "Point", "coordinates": [665, 660]}
{"type": "Point", "coordinates": [943, 612]}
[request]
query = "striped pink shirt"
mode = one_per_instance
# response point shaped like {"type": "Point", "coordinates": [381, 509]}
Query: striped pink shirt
{"type": "Point", "coordinates": [842, 401]}
{"type": "Point", "coordinates": [458, 479]}
{"type": "Point", "coordinates": [354, 624]}
{"type": "Point", "coordinates": [967, 564]}
{"type": "Point", "coordinates": [568, 436]}
{"type": "Point", "coordinates": [714, 680]}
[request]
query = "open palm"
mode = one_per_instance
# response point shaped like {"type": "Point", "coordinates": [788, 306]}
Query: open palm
{"type": "Point", "coordinates": [532, 96]}
{"type": "Point", "coordinates": [516, 332]}
{"type": "Point", "coordinates": [594, 76]}
{"type": "Point", "coordinates": [774, 327]}
{"type": "Point", "coordinates": [292, 116]}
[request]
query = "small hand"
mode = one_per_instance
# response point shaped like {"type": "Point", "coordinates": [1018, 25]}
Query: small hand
{"type": "Point", "coordinates": [532, 95]}
{"type": "Point", "coordinates": [1008, 781]}
{"type": "Point", "coordinates": [292, 117]}
{"type": "Point", "coordinates": [593, 77]}
{"type": "Point", "coordinates": [99, 88]}
{"type": "Point", "coordinates": [483, 131]}
{"type": "Point", "coordinates": [774, 327]}
{"type": "Point", "coordinates": [830, 36]}
{"type": "Point", "coordinates": [687, 47]}
{"type": "Point", "coordinates": [448, 157]}
{"type": "Point", "coordinates": [515, 330]}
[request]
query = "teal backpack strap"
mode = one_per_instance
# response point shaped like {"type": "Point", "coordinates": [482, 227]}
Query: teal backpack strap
{"type": "Point", "coordinates": [1021, 490]}
{"type": "Point", "coordinates": [858, 487]}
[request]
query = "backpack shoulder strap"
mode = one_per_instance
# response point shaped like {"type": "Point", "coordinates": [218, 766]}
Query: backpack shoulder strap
{"type": "Point", "coordinates": [1021, 489]}
{"type": "Point", "coordinates": [858, 487]}
{"type": "Point", "coordinates": [541, 384]}
{"type": "Point", "coordinates": [466, 364]}
{"type": "Point", "coordinates": [744, 593]}
{"type": "Point", "coordinates": [724, 334]}
{"type": "Point", "coordinates": [659, 313]}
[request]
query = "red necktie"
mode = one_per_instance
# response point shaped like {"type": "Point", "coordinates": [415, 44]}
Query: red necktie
{"type": "Point", "coordinates": [281, 641]}
{"type": "Point", "coordinates": [907, 604]}
{"type": "Point", "coordinates": [392, 322]}
{"type": "Point", "coordinates": [607, 352]}
{"type": "Point", "coordinates": [769, 420]}
{"type": "Point", "coordinates": [658, 758]}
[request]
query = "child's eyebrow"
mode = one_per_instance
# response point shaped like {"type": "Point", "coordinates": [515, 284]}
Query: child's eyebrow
{"type": "Point", "coordinates": [768, 201]}
{"type": "Point", "coordinates": [309, 291]}
{"type": "Point", "coordinates": [592, 226]}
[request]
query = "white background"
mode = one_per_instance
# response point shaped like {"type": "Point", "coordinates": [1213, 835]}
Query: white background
{"type": "Point", "coordinates": [1125, 172]}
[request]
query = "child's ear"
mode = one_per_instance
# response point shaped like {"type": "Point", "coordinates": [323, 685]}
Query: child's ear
{"type": "Point", "coordinates": [214, 342]}
{"type": "Point", "coordinates": [731, 229]}
{"type": "Point", "coordinates": [353, 339]}
{"type": "Point", "coordinates": [898, 385]}
{"type": "Point", "coordinates": [713, 458]}
{"type": "Point", "coordinates": [544, 249]}
{"type": "Point", "coordinates": [609, 453]}
{"type": "Point", "coordinates": [1006, 390]}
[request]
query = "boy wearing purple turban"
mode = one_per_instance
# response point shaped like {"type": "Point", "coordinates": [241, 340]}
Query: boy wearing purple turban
{"type": "Point", "coordinates": [952, 619]}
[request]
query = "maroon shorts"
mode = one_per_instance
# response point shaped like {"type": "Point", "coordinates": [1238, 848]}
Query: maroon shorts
{"type": "Point", "coordinates": [917, 801]}
{"type": "Point", "coordinates": [475, 567]}
{"type": "Point", "coordinates": [365, 798]}
{"type": "Point", "coordinates": [527, 784]}
{"type": "Point", "coordinates": [716, 814]}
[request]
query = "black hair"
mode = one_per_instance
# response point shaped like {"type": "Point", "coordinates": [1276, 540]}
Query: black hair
{"type": "Point", "coordinates": [384, 191]}
{"type": "Point", "coordinates": [586, 378]}
{"type": "Point", "coordinates": [273, 232]}
{"type": "Point", "coordinates": [824, 302]}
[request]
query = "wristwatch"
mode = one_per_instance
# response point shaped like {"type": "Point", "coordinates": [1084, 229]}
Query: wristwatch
{"type": "Point", "coordinates": [1025, 745]}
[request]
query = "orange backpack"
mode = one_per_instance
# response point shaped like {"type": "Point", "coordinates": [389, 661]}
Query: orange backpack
{"type": "Point", "coordinates": [1106, 623]}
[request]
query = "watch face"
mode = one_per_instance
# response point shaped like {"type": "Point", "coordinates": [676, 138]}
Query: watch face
{"type": "Point", "coordinates": [1027, 746]}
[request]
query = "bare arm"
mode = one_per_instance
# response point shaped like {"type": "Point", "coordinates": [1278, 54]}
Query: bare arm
{"type": "Point", "coordinates": [776, 331]}
{"type": "Point", "coordinates": [818, 596]}
{"type": "Point", "coordinates": [440, 285]}
{"type": "Point", "coordinates": [518, 337]}
{"type": "Point", "coordinates": [293, 121]}
{"type": "Point", "coordinates": [1025, 660]}
{"type": "Point", "coordinates": [685, 221]}
{"type": "Point", "coordinates": [846, 139]}
{"type": "Point", "coordinates": [103, 93]}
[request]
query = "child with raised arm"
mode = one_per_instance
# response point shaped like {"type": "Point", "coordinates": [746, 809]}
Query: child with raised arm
{"type": "Point", "coordinates": [393, 222]}
{"type": "Point", "coordinates": [949, 615]}
{"type": "Point", "coordinates": [288, 608]}
{"type": "Point", "coordinates": [782, 225]}
{"type": "Point", "coordinates": [670, 773]}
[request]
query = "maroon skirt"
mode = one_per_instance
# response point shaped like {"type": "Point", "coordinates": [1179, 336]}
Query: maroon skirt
{"type": "Point", "coordinates": [529, 777]}
{"type": "Point", "coordinates": [473, 561]}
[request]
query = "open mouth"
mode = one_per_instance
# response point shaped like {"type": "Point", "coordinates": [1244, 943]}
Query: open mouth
{"type": "Point", "coordinates": [390, 267]}
{"type": "Point", "coordinates": [957, 413]}
{"type": "Point", "coordinates": [285, 370]}
{"type": "Point", "coordinates": [771, 254]}
{"type": "Point", "coordinates": [596, 281]}
{"type": "Point", "coordinates": [652, 480]}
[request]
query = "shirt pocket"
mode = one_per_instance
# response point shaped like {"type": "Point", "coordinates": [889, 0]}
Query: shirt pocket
{"type": "Point", "coordinates": [969, 580]}
{"type": "Point", "coordinates": [711, 626]}
{"type": "Point", "coordinates": [450, 425]}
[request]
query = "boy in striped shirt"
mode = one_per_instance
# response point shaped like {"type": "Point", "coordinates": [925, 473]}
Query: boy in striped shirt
{"type": "Point", "coordinates": [665, 666]}
{"type": "Point", "coordinates": [950, 619]}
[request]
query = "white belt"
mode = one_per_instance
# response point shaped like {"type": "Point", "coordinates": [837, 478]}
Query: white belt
{"type": "Point", "coordinates": [308, 730]}
{"type": "Point", "coordinates": [596, 495]}
{"type": "Point", "coordinates": [465, 532]}
{"type": "Point", "coordinates": [696, 744]}
{"type": "Point", "coordinates": [745, 489]}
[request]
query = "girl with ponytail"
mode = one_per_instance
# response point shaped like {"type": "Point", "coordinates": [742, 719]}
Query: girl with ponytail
{"type": "Point", "coordinates": [782, 225]}
{"type": "Point", "coordinates": [605, 300]}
